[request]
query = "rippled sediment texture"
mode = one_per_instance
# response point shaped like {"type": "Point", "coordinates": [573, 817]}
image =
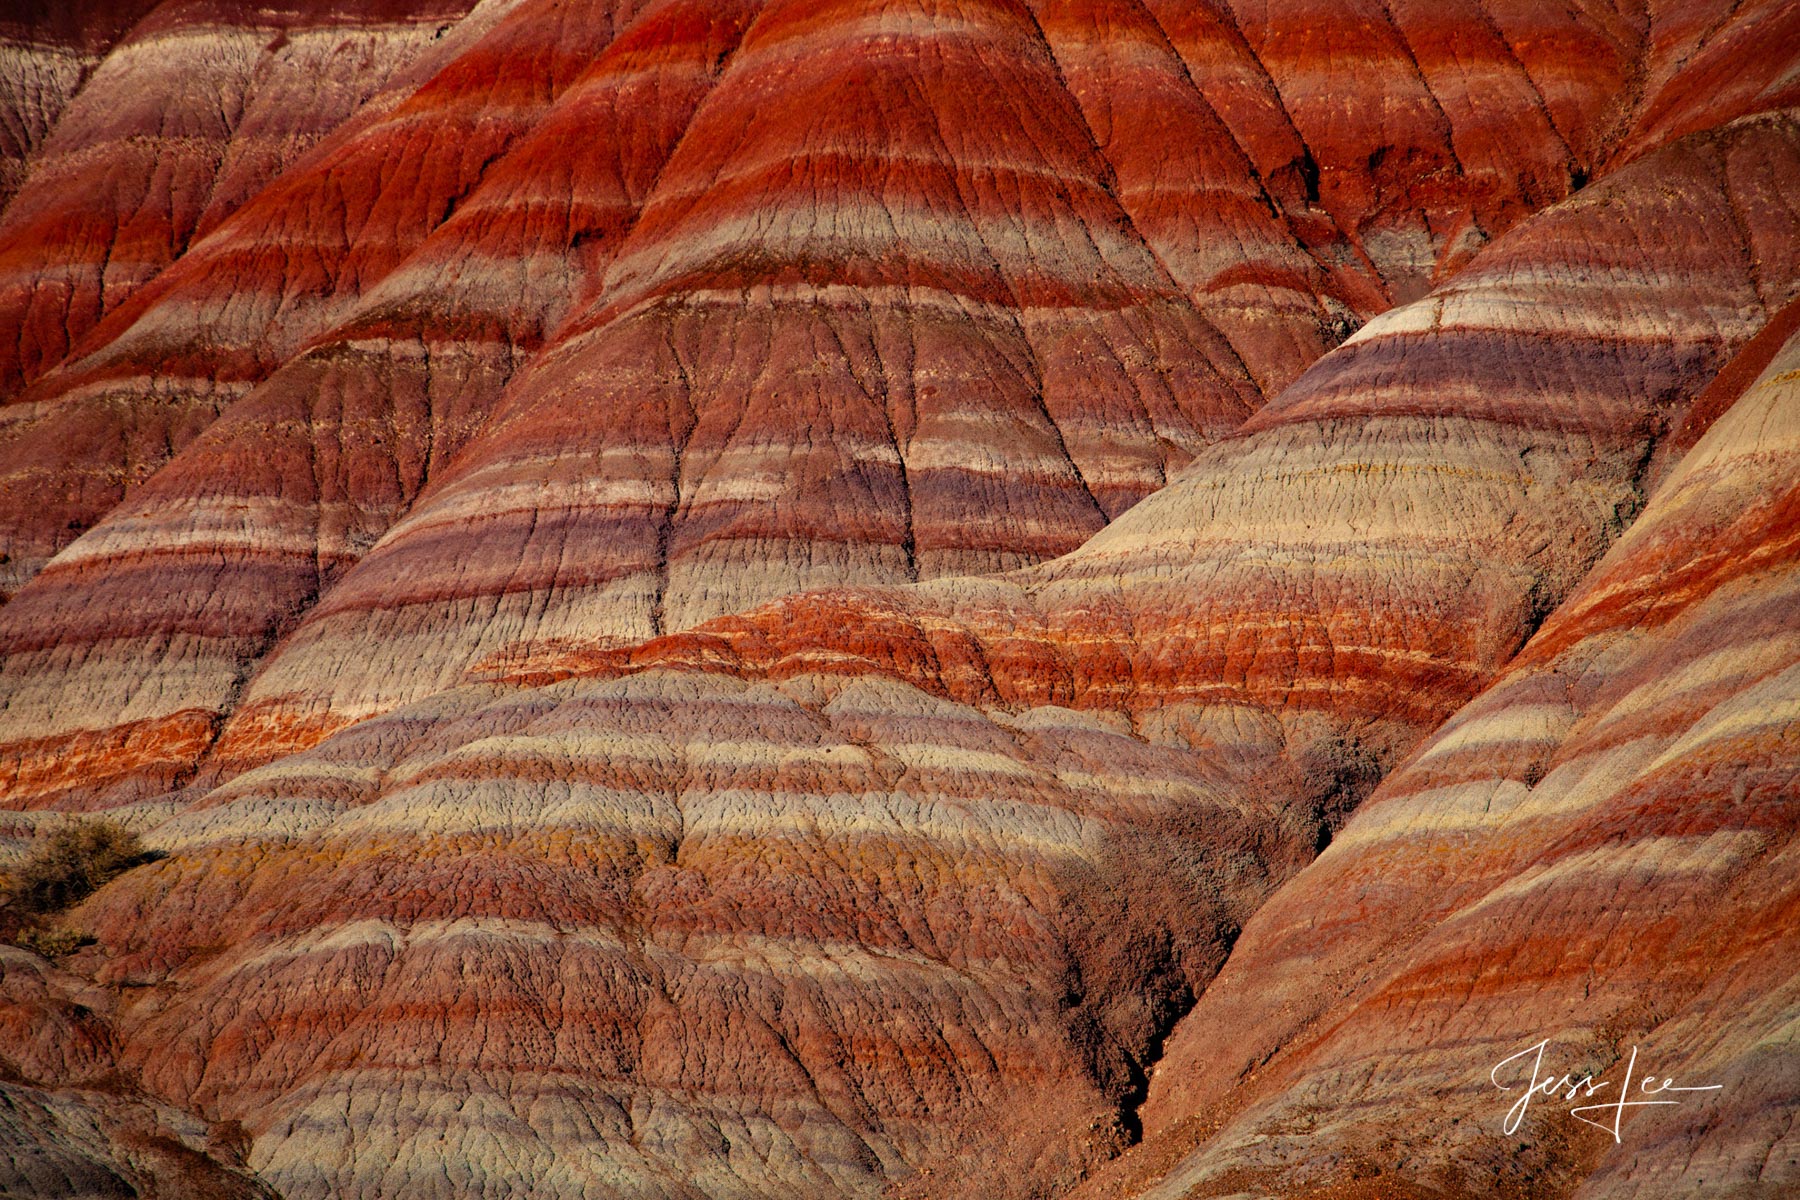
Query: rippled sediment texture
{"type": "Point", "coordinates": [744, 599]}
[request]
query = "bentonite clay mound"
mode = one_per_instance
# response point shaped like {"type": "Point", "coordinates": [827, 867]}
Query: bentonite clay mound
{"type": "Point", "coordinates": [759, 598]}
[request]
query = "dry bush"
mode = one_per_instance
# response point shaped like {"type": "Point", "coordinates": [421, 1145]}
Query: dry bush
{"type": "Point", "coordinates": [52, 942]}
{"type": "Point", "coordinates": [69, 865]}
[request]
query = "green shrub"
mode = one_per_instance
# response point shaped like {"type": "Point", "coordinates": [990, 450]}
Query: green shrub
{"type": "Point", "coordinates": [64, 868]}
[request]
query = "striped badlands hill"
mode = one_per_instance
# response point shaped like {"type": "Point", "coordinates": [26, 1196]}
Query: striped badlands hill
{"type": "Point", "coordinates": [168, 359]}
{"type": "Point", "coordinates": [909, 885]}
{"type": "Point", "coordinates": [1599, 851]}
{"type": "Point", "coordinates": [528, 827]}
{"type": "Point", "coordinates": [1036, 260]}
{"type": "Point", "coordinates": [48, 48]}
{"type": "Point", "coordinates": [193, 111]}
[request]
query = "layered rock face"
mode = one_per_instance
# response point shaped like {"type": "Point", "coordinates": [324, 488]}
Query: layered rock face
{"type": "Point", "coordinates": [193, 111]}
{"type": "Point", "coordinates": [743, 599]}
{"type": "Point", "coordinates": [1036, 260]}
{"type": "Point", "coordinates": [72, 1126]}
{"type": "Point", "coordinates": [1596, 851]}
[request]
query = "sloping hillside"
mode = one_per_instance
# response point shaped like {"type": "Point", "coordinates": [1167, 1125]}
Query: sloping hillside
{"type": "Point", "coordinates": [727, 599]}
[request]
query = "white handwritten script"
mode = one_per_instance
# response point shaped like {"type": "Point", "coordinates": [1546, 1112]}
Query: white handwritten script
{"type": "Point", "coordinates": [1586, 1087]}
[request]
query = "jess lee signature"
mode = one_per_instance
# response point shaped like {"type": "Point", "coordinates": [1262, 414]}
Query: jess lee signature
{"type": "Point", "coordinates": [1586, 1087]}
